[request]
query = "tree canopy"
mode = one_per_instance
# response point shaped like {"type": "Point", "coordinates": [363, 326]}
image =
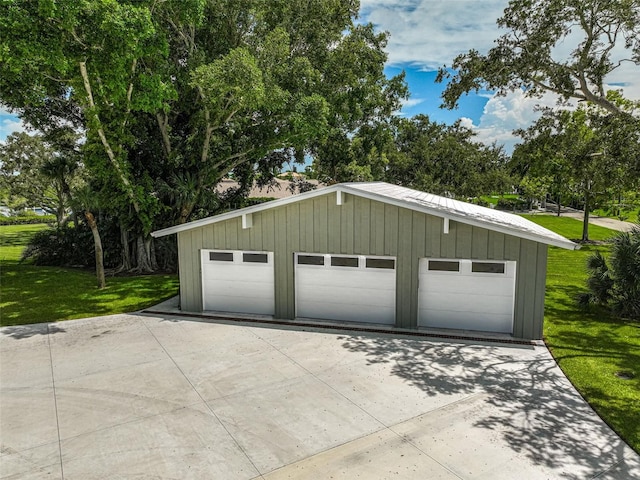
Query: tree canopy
{"type": "Point", "coordinates": [422, 154]}
{"type": "Point", "coordinates": [35, 172]}
{"type": "Point", "coordinates": [174, 95]}
{"type": "Point", "coordinates": [566, 47]}
{"type": "Point", "coordinates": [585, 153]}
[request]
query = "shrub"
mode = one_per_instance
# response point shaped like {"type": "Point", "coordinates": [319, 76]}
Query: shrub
{"type": "Point", "coordinates": [23, 219]}
{"type": "Point", "coordinates": [480, 201]}
{"type": "Point", "coordinates": [616, 283]}
{"type": "Point", "coordinates": [68, 246]}
{"type": "Point", "coordinates": [511, 204]}
{"type": "Point", "coordinates": [61, 246]}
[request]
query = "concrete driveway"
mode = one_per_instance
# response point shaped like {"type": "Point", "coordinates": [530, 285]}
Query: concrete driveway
{"type": "Point", "coordinates": [142, 396]}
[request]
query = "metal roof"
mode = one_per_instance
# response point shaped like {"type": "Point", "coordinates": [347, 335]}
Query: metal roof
{"type": "Point", "coordinates": [436, 205]}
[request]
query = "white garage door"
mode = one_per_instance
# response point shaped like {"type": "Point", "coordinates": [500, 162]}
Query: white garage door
{"type": "Point", "coordinates": [466, 294]}
{"type": "Point", "coordinates": [346, 287]}
{"type": "Point", "coordinates": [238, 281]}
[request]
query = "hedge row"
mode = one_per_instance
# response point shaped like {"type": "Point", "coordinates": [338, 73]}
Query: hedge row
{"type": "Point", "coordinates": [27, 219]}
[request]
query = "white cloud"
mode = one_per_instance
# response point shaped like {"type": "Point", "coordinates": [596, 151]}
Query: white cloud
{"type": "Point", "coordinates": [431, 33]}
{"type": "Point", "coordinates": [502, 115]}
{"type": "Point", "coordinates": [627, 76]}
{"type": "Point", "coordinates": [412, 102]}
{"type": "Point", "coordinates": [428, 34]}
{"type": "Point", "coordinates": [9, 124]}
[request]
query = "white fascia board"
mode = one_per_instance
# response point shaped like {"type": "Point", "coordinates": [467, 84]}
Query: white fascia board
{"type": "Point", "coordinates": [244, 211]}
{"type": "Point", "coordinates": [345, 188]}
{"type": "Point", "coordinates": [562, 243]}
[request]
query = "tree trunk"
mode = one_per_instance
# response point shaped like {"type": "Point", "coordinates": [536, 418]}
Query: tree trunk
{"type": "Point", "coordinates": [143, 256]}
{"type": "Point", "coordinates": [559, 199]}
{"type": "Point", "coordinates": [60, 216]}
{"type": "Point", "coordinates": [74, 216]}
{"type": "Point", "coordinates": [98, 248]}
{"type": "Point", "coordinates": [151, 252]}
{"type": "Point", "coordinates": [126, 255]}
{"type": "Point", "coordinates": [585, 222]}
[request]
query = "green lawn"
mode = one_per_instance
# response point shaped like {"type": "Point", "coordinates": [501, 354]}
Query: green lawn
{"type": "Point", "coordinates": [32, 294]}
{"type": "Point", "coordinates": [570, 227]}
{"type": "Point", "coordinates": [493, 199]}
{"type": "Point", "coordinates": [591, 347]}
{"type": "Point", "coordinates": [631, 216]}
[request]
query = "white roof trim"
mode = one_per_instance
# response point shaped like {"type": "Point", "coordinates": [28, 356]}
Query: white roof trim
{"type": "Point", "coordinates": [243, 211]}
{"type": "Point", "coordinates": [403, 197]}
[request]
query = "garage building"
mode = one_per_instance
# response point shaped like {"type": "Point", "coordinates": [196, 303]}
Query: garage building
{"type": "Point", "coordinates": [370, 253]}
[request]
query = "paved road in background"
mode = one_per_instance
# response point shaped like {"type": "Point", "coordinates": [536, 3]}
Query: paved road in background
{"type": "Point", "coordinates": [612, 223]}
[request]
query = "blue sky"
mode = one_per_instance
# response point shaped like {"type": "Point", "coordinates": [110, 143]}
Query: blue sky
{"type": "Point", "coordinates": [425, 96]}
{"type": "Point", "coordinates": [427, 34]}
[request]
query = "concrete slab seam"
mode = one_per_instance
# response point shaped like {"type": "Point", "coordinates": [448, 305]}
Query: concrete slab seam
{"type": "Point", "coordinates": [384, 426]}
{"type": "Point", "coordinates": [55, 401]}
{"type": "Point", "coordinates": [406, 438]}
{"type": "Point", "coordinates": [205, 402]}
{"type": "Point", "coordinates": [608, 469]}
{"type": "Point", "coordinates": [128, 422]}
{"type": "Point", "coordinates": [313, 375]}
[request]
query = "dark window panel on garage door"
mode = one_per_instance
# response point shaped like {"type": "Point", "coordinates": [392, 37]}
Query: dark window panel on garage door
{"type": "Point", "coordinates": [344, 261]}
{"type": "Point", "coordinates": [310, 260]}
{"type": "Point", "coordinates": [384, 263]}
{"type": "Point", "coordinates": [255, 258]}
{"type": "Point", "coordinates": [221, 256]}
{"type": "Point", "coordinates": [444, 266]}
{"type": "Point", "coordinates": [486, 267]}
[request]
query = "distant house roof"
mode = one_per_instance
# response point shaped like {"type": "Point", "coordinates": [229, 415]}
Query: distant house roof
{"type": "Point", "coordinates": [428, 203]}
{"type": "Point", "coordinates": [279, 189]}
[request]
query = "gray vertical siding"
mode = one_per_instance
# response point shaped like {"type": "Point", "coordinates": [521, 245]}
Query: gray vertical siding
{"type": "Point", "coordinates": [366, 227]}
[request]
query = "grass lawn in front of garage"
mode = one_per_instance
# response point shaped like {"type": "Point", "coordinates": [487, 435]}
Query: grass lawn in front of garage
{"type": "Point", "coordinates": [36, 294]}
{"type": "Point", "coordinates": [593, 348]}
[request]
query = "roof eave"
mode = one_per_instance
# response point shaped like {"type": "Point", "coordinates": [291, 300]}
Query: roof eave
{"type": "Point", "coordinates": [566, 244]}
{"type": "Point", "coordinates": [243, 211]}
{"type": "Point", "coordinates": [561, 243]}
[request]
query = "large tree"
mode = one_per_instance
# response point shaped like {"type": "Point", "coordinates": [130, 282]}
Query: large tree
{"type": "Point", "coordinates": [36, 172]}
{"type": "Point", "coordinates": [585, 153]}
{"type": "Point", "coordinates": [419, 153]}
{"type": "Point", "coordinates": [566, 47]}
{"type": "Point", "coordinates": [175, 95]}
{"type": "Point", "coordinates": [445, 159]}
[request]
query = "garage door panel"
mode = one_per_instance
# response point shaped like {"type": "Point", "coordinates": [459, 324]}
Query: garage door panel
{"type": "Point", "coordinates": [235, 289]}
{"type": "Point", "coordinates": [340, 277]}
{"type": "Point", "coordinates": [238, 286]}
{"type": "Point", "coordinates": [310, 282]}
{"type": "Point", "coordinates": [215, 280]}
{"type": "Point", "coordinates": [465, 299]}
{"type": "Point", "coordinates": [467, 285]}
{"type": "Point", "coordinates": [375, 297]}
{"type": "Point", "coordinates": [239, 304]}
{"type": "Point", "coordinates": [468, 321]}
{"type": "Point", "coordinates": [237, 273]}
{"type": "Point", "coordinates": [356, 294]}
{"type": "Point", "coordinates": [348, 312]}
{"type": "Point", "coordinates": [462, 302]}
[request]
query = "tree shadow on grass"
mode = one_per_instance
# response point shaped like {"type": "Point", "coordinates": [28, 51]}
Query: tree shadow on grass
{"type": "Point", "coordinates": [529, 402]}
{"type": "Point", "coordinates": [45, 294]}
